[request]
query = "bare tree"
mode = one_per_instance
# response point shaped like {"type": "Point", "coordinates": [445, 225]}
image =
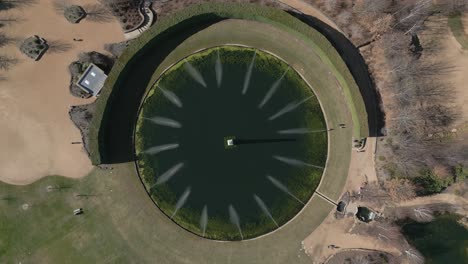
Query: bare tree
{"type": "Point", "coordinates": [399, 189]}
{"type": "Point", "coordinates": [7, 62]}
{"type": "Point", "coordinates": [372, 7]}
{"type": "Point", "coordinates": [98, 13]}
{"type": "Point", "coordinates": [5, 40]}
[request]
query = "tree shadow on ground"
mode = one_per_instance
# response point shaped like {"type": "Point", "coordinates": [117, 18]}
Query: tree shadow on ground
{"type": "Point", "coordinates": [58, 46]}
{"type": "Point", "coordinates": [10, 4]}
{"type": "Point", "coordinates": [357, 67]}
{"type": "Point", "coordinates": [98, 13]}
{"type": "Point", "coordinates": [117, 125]}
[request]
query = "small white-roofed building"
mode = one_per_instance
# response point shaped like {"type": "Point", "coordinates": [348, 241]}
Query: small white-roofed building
{"type": "Point", "coordinates": [92, 80]}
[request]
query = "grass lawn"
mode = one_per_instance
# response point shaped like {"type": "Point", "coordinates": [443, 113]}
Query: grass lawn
{"type": "Point", "coordinates": [122, 225]}
{"type": "Point", "coordinates": [456, 26]}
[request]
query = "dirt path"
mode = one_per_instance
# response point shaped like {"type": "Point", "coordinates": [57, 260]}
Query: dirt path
{"type": "Point", "coordinates": [452, 52]}
{"type": "Point", "coordinates": [460, 203]}
{"type": "Point", "coordinates": [36, 132]}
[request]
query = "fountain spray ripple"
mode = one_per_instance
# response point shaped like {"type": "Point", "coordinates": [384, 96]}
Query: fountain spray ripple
{"type": "Point", "coordinates": [169, 174]}
{"type": "Point", "coordinates": [295, 162]}
{"type": "Point", "coordinates": [248, 74]}
{"type": "Point", "coordinates": [283, 188]}
{"type": "Point", "coordinates": [272, 90]}
{"type": "Point", "coordinates": [164, 121]}
{"type": "Point", "coordinates": [172, 97]}
{"type": "Point", "coordinates": [234, 217]}
{"type": "Point", "coordinates": [264, 208]}
{"type": "Point", "coordinates": [194, 73]}
{"type": "Point", "coordinates": [183, 198]}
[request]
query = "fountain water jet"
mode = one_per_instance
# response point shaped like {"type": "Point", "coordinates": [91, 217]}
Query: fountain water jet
{"type": "Point", "coordinates": [272, 90]}
{"type": "Point", "coordinates": [172, 97]}
{"type": "Point", "coordinates": [283, 188]}
{"type": "Point", "coordinates": [219, 71]}
{"type": "Point", "coordinates": [248, 74]}
{"type": "Point", "coordinates": [183, 198]}
{"type": "Point", "coordinates": [169, 174]}
{"type": "Point", "coordinates": [164, 121]}
{"type": "Point", "coordinates": [204, 220]}
{"type": "Point", "coordinates": [288, 108]}
{"type": "Point", "coordinates": [302, 130]}
{"type": "Point", "coordinates": [161, 148]}
{"type": "Point", "coordinates": [295, 162]}
{"type": "Point", "coordinates": [234, 217]}
{"type": "Point", "coordinates": [194, 73]}
{"type": "Point", "coordinates": [264, 208]}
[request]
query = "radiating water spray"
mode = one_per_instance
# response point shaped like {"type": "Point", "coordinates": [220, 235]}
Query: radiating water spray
{"type": "Point", "coordinates": [169, 174]}
{"type": "Point", "coordinates": [234, 217]}
{"type": "Point", "coordinates": [264, 208]}
{"type": "Point", "coordinates": [164, 121]}
{"type": "Point", "coordinates": [288, 108]}
{"type": "Point", "coordinates": [183, 198]}
{"type": "Point", "coordinates": [204, 220]}
{"type": "Point", "coordinates": [248, 74]}
{"type": "Point", "coordinates": [302, 130]}
{"type": "Point", "coordinates": [219, 71]}
{"type": "Point", "coordinates": [272, 90]}
{"type": "Point", "coordinates": [194, 73]}
{"type": "Point", "coordinates": [283, 188]}
{"type": "Point", "coordinates": [161, 148]}
{"type": "Point", "coordinates": [172, 97]}
{"type": "Point", "coordinates": [295, 162]}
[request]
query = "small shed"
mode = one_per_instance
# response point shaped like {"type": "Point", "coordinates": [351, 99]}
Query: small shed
{"type": "Point", "coordinates": [365, 214]}
{"type": "Point", "coordinates": [341, 206]}
{"type": "Point", "coordinates": [92, 80]}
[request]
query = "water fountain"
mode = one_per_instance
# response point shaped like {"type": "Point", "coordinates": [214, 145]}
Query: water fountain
{"type": "Point", "coordinates": [168, 174]}
{"type": "Point", "coordinates": [218, 70]}
{"type": "Point", "coordinates": [248, 74]}
{"type": "Point", "coordinates": [264, 208]}
{"type": "Point", "coordinates": [272, 90]}
{"type": "Point", "coordinates": [161, 148]}
{"type": "Point", "coordinates": [164, 121]}
{"type": "Point", "coordinates": [172, 97]}
{"type": "Point", "coordinates": [183, 198]}
{"type": "Point", "coordinates": [204, 220]}
{"type": "Point", "coordinates": [288, 108]}
{"type": "Point", "coordinates": [283, 188]}
{"type": "Point", "coordinates": [295, 162]}
{"type": "Point", "coordinates": [234, 218]}
{"type": "Point", "coordinates": [194, 73]}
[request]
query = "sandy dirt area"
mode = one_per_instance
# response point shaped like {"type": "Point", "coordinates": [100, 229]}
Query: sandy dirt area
{"type": "Point", "coordinates": [332, 232]}
{"type": "Point", "coordinates": [458, 58]}
{"type": "Point", "coordinates": [36, 132]}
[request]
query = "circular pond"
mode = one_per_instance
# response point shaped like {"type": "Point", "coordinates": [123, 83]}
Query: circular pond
{"type": "Point", "coordinates": [231, 143]}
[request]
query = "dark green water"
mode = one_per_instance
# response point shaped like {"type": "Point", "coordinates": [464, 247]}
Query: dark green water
{"type": "Point", "coordinates": [442, 241]}
{"type": "Point", "coordinates": [218, 177]}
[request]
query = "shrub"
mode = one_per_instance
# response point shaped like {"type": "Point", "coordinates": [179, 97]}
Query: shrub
{"type": "Point", "coordinates": [74, 13]}
{"type": "Point", "coordinates": [430, 183]}
{"type": "Point", "coordinates": [461, 173]}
